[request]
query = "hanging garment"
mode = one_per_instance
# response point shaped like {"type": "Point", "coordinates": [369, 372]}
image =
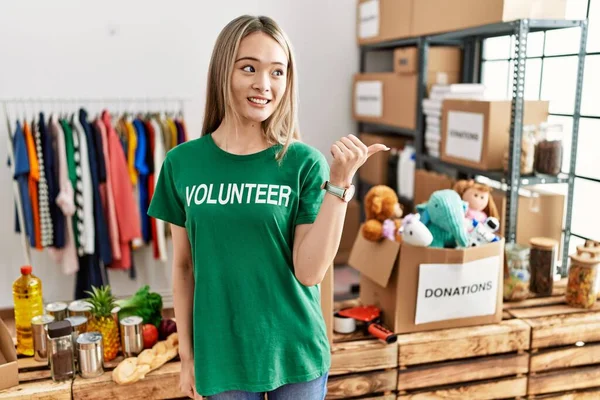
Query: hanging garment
{"type": "Point", "coordinates": [43, 194]}
{"type": "Point", "coordinates": [21, 175]}
{"type": "Point", "coordinates": [166, 133]}
{"type": "Point", "coordinates": [84, 195]}
{"type": "Point", "coordinates": [159, 158]}
{"type": "Point", "coordinates": [173, 130]}
{"type": "Point", "coordinates": [131, 149]}
{"type": "Point", "coordinates": [150, 162]}
{"type": "Point", "coordinates": [72, 173]}
{"type": "Point", "coordinates": [108, 198]}
{"type": "Point", "coordinates": [101, 228]}
{"type": "Point", "coordinates": [49, 148]}
{"type": "Point", "coordinates": [184, 130]}
{"type": "Point", "coordinates": [34, 176]}
{"type": "Point", "coordinates": [180, 134]}
{"type": "Point", "coordinates": [67, 256]}
{"type": "Point", "coordinates": [142, 168]}
{"type": "Point", "coordinates": [90, 274]}
{"type": "Point", "coordinates": [128, 217]}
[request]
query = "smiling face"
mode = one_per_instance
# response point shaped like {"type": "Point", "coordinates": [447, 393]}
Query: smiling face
{"type": "Point", "coordinates": [259, 77]}
{"type": "Point", "coordinates": [477, 199]}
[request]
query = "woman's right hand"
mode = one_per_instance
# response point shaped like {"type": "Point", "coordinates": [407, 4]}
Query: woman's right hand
{"type": "Point", "coordinates": [187, 381]}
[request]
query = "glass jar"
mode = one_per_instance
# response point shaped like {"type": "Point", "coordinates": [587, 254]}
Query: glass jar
{"type": "Point", "coordinates": [549, 149]}
{"type": "Point", "coordinates": [581, 287]}
{"type": "Point", "coordinates": [527, 151]}
{"type": "Point", "coordinates": [60, 351]}
{"type": "Point", "coordinates": [517, 275]}
{"type": "Point", "coordinates": [542, 262]}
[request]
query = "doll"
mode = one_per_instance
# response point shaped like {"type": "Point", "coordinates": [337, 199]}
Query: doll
{"type": "Point", "coordinates": [478, 195]}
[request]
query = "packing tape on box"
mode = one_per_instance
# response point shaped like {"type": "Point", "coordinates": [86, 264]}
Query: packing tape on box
{"type": "Point", "coordinates": [343, 324]}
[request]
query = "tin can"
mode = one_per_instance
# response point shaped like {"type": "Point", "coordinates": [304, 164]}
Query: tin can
{"type": "Point", "coordinates": [90, 354]}
{"type": "Point", "coordinates": [132, 340]}
{"type": "Point", "coordinates": [79, 324]}
{"type": "Point", "coordinates": [39, 326]}
{"type": "Point", "coordinates": [115, 314]}
{"type": "Point", "coordinates": [80, 308]}
{"type": "Point", "coordinates": [58, 310]}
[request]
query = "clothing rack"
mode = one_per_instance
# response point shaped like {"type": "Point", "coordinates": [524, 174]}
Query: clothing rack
{"type": "Point", "coordinates": [120, 104]}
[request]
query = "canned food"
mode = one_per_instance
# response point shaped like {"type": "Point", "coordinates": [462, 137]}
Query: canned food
{"type": "Point", "coordinates": [132, 340]}
{"type": "Point", "coordinates": [39, 326]}
{"type": "Point", "coordinates": [90, 354]}
{"type": "Point", "coordinates": [80, 308]}
{"type": "Point", "coordinates": [58, 310]}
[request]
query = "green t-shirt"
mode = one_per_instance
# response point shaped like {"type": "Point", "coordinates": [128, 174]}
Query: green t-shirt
{"type": "Point", "coordinates": [256, 327]}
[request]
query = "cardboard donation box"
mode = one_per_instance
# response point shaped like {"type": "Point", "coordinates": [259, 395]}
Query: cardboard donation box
{"type": "Point", "coordinates": [382, 20]}
{"type": "Point", "coordinates": [443, 64]}
{"type": "Point", "coordinates": [375, 170]}
{"type": "Point", "coordinates": [475, 133]}
{"type": "Point", "coordinates": [351, 227]}
{"type": "Point", "coordinates": [422, 288]}
{"type": "Point", "coordinates": [427, 182]}
{"type": "Point", "coordinates": [9, 370]}
{"type": "Point", "coordinates": [436, 16]}
{"type": "Point", "coordinates": [385, 98]}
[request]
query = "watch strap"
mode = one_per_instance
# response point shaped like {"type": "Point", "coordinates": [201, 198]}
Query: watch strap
{"type": "Point", "coordinates": [335, 190]}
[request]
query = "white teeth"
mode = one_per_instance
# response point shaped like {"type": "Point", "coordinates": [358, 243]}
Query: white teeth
{"type": "Point", "coordinates": [258, 101]}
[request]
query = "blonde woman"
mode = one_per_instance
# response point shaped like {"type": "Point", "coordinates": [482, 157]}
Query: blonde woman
{"type": "Point", "coordinates": [256, 219]}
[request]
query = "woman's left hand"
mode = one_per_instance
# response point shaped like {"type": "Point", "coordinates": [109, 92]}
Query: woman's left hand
{"type": "Point", "coordinates": [349, 154]}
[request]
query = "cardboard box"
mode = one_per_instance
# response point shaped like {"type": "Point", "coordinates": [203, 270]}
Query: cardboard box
{"type": "Point", "coordinates": [440, 59]}
{"type": "Point", "coordinates": [422, 288]}
{"type": "Point", "coordinates": [382, 20]}
{"type": "Point", "coordinates": [436, 16]}
{"type": "Point", "coordinates": [375, 170]}
{"type": "Point", "coordinates": [475, 133]}
{"type": "Point", "coordinates": [385, 98]}
{"type": "Point", "coordinates": [9, 370]}
{"type": "Point", "coordinates": [326, 288]}
{"type": "Point", "coordinates": [351, 227]}
{"type": "Point", "coordinates": [427, 182]}
{"type": "Point", "coordinates": [538, 215]}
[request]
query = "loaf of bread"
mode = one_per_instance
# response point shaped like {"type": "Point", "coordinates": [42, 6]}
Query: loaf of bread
{"type": "Point", "coordinates": [133, 369]}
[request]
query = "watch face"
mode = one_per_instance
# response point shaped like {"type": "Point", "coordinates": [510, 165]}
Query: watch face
{"type": "Point", "coordinates": [349, 193]}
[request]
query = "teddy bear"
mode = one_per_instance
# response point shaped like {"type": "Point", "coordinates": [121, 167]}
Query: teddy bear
{"type": "Point", "coordinates": [382, 212]}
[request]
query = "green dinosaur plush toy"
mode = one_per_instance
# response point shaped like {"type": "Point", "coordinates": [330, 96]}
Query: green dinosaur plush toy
{"type": "Point", "coordinates": [444, 216]}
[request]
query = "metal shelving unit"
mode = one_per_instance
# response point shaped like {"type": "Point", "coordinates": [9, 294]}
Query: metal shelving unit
{"type": "Point", "coordinates": [471, 40]}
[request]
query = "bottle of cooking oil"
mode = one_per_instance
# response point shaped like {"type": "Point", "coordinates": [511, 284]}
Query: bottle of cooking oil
{"type": "Point", "coordinates": [27, 296]}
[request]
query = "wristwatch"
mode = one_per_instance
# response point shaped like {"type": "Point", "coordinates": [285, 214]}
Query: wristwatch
{"type": "Point", "coordinates": [345, 194]}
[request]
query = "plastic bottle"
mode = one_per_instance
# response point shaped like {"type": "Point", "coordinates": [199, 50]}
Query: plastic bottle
{"type": "Point", "coordinates": [27, 296]}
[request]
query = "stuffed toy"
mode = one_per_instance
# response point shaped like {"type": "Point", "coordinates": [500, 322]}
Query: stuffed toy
{"type": "Point", "coordinates": [444, 216]}
{"type": "Point", "coordinates": [478, 195]}
{"type": "Point", "coordinates": [382, 212]}
{"type": "Point", "coordinates": [483, 233]}
{"type": "Point", "coordinates": [414, 232]}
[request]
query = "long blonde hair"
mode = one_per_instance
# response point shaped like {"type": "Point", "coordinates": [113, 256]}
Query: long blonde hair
{"type": "Point", "coordinates": [282, 126]}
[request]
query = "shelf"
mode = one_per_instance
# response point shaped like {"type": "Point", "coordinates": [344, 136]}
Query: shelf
{"type": "Point", "coordinates": [369, 127]}
{"type": "Point", "coordinates": [503, 28]}
{"type": "Point", "coordinates": [391, 44]}
{"type": "Point", "coordinates": [499, 176]}
{"type": "Point", "coordinates": [484, 31]}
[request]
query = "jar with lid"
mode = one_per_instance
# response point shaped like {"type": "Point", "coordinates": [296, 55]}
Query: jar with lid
{"type": "Point", "coordinates": [60, 350]}
{"type": "Point", "coordinates": [549, 149]}
{"type": "Point", "coordinates": [527, 158]}
{"type": "Point", "coordinates": [581, 287]}
{"type": "Point", "coordinates": [58, 310]}
{"type": "Point", "coordinates": [517, 275]}
{"type": "Point", "coordinates": [542, 262]}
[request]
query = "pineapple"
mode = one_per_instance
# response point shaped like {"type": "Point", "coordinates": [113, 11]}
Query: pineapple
{"type": "Point", "coordinates": [102, 321]}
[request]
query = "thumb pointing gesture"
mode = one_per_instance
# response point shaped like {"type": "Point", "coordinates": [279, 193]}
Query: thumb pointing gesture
{"type": "Point", "coordinates": [349, 154]}
{"type": "Point", "coordinates": [376, 148]}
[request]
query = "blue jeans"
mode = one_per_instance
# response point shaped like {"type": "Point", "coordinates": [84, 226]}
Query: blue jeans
{"type": "Point", "coordinates": [312, 390]}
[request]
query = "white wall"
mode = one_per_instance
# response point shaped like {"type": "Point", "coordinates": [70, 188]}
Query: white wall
{"type": "Point", "coordinates": [75, 49]}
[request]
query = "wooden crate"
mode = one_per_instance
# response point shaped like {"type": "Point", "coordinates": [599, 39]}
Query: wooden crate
{"type": "Point", "coordinates": [362, 366]}
{"type": "Point", "coordinates": [565, 347]}
{"type": "Point", "coordinates": [35, 383]}
{"type": "Point", "coordinates": [481, 362]}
